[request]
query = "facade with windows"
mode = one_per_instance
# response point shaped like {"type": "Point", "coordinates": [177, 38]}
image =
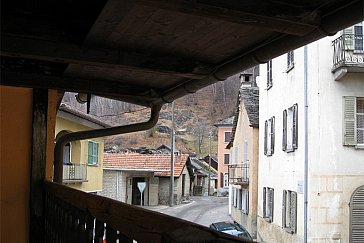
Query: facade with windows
{"type": "Point", "coordinates": [335, 121]}
{"type": "Point", "coordinates": [243, 170]}
{"type": "Point", "coordinates": [82, 160]}
{"type": "Point", "coordinates": [223, 154]}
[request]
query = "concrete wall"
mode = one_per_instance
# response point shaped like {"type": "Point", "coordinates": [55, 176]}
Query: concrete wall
{"type": "Point", "coordinates": [221, 150]}
{"type": "Point", "coordinates": [246, 134]}
{"type": "Point", "coordinates": [79, 155]}
{"type": "Point", "coordinates": [335, 171]}
{"type": "Point", "coordinates": [118, 185]}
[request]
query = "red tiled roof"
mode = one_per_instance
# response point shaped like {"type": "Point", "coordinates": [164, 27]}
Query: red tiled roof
{"type": "Point", "coordinates": [154, 162]}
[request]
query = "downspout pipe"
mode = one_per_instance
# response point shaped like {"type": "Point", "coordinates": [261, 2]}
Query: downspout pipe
{"type": "Point", "coordinates": [347, 16]}
{"type": "Point", "coordinates": [305, 186]}
{"type": "Point", "coordinates": [62, 141]}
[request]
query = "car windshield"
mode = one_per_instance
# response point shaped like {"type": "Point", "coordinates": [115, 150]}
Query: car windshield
{"type": "Point", "coordinates": [224, 227]}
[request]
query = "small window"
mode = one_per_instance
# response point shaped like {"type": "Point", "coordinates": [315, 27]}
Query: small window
{"type": "Point", "coordinates": [290, 129]}
{"type": "Point", "coordinates": [268, 204]}
{"type": "Point", "coordinates": [269, 75]}
{"type": "Point", "coordinates": [226, 159]}
{"type": "Point", "coordinates": [353, 121]}
{"type": "Point", "coordinates": [226, 180]}
{"type": "Point", "coordinates": [290, 60]}
{"type": "Point", "coordinates": [227, 137]}
{"type": "Point", "coordinates": [245, 202]}
{"type": "Point", "coordinates": [239, 201]}
{"type": "Point", "coordinates": [269, 136]}
{"type": "Point", "coordinates": [289, 211]}
{"type": "Point", "coordinates": [93, 153]}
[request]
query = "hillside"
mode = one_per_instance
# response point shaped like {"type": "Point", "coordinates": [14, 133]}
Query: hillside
{"type": "Point", "coordinates": [196, 114]}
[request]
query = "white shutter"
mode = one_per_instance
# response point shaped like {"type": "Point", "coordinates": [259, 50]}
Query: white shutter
{"type": "Point", "coordinates": [349, 127]}
{"type": "Point", "coordinates": [295, 127]}
{"type": "Point", "coordinates": [264, 202]}
{"type": "Point", "coordinates": [357, 216]}
{"type": "Point", "coordinates": [349, 38]}
{"type": "Point", "coordinates": [284, 199]}
{"type": "Point", "coordinates": [293, 212]}
{"type": "Point", "coordinates": [284, 138]}
{"type": "Point", "coordinates": [265, 136]}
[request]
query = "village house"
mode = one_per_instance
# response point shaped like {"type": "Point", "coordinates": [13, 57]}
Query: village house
{"type": "Point", "coordinates": [224, 128]}
{"type": "Point", "coordinates": [244, 148]}
{"type": "Point", "coordinates": [312, 133]}
{"type": "Point", "coordinates": [82, 160]}
{"type": "Point", "coordinates": [201, 173]}
{"type": "Point", "coordinates": [123, 172]}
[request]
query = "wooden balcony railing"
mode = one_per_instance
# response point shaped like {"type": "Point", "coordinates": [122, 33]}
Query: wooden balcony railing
{"type": "Point", "coordinates": [238, 174]}
{"type": "Point", "coordinates": [348, 51]}
{"type": "Point", "coordinates": [73, 173]}
{"type": "Point", "coordinates": [75, 216]}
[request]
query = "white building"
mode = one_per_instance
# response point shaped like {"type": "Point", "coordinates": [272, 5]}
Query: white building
{"type": "Point", "coordinates": [335, 142]}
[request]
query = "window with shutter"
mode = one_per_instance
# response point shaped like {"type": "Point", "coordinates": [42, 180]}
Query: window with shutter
{"type": "Point", "coordinates": [269, 74]}
{"type": "Point", "coordinates": [349, 135]}
{"type": "Point", "coordinates": [358, 37]}
{"type": "Point", "coordinates": [290, 129]}
{"type": "Point", "coordinates": [360, 121]}
{"type": "Point", "coordinates": [272, 124]}
{"type": "Point", "coordinates": [239, 203]}
{"type": "Point", "coordinates": [289, 211]}
{"type": "Point", "coordinates": [349, 38]}
{"type": "Point", "coordinates": [269, 137]}
{"type": "Point", "coordinates": [93, 153]}
{"type": "Point", "coordinates": [284, 139]}
{"type": "Point", "coordinates": [290, 60]}
{"type": "Point", "coordinates": [268, 204]}
{"type": "Point", "coordinates": [357, 215]}
{"type": "Point", "coordinates": [265, 137]}
{"type": "Point", "coordinates": [295, 127]}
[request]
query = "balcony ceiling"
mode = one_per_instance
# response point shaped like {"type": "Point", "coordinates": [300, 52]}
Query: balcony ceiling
{"type": "Point", "coordinates": [153, 51]}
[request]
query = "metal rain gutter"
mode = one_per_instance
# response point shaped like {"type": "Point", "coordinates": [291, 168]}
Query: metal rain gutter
{"type": "Point", "coordinates": [62, 141]}
{"type": "Point", "coordinates": [347, 15]}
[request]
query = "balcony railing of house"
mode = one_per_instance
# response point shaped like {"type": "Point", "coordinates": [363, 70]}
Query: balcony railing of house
{"type": "Point", "coordinates": [238, 174]}
{"type": "Point", "coordinates": [74, 173]}
{"type": "Point", "coordinates": [349, 52]}
{"type": "Point", "coordinates": [71, 215]}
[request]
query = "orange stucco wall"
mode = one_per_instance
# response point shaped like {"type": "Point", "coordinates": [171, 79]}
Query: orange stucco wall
{"type": "Point", "coordinates": [15, 150]}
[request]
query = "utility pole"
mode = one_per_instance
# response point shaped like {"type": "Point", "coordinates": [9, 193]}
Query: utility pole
{"type": "Point", "coordinates": [171, 186]}
{"type": "Point", "coordinates": [209, 184]}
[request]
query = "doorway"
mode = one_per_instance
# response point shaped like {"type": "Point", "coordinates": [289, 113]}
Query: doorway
{"type": "Point", "coordinates": [136, 197]}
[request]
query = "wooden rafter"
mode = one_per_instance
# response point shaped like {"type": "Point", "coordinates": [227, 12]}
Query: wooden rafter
{"type": "Point", "coordinates": [101, 57]}
{"type": "Point", "coordinates": [235, 16]}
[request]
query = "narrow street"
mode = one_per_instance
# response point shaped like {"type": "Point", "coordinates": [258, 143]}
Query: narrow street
{"type": "Point", "coordinates": [201, 210]}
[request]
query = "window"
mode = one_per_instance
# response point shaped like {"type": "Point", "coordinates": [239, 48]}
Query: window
{"type": "Point", "coordinates": [268, 203]}
{"type": "Point", "coordinates": [227, 137]}
{"type": "Point", "coordinates": [269, 74]}
{"type": "Point", "coordinates": [226, 180]}
{"type": "Point", "coordinates": [290, 129]}
{"type": "Point", "coordinates": [353, 38]}
{"type": "Point", "coordinates": [239, 204]}
{"type": "Point", "coordinates": [354, 121]}
{"type": "Point", "coordinates": [290, 60]}
{"type": "Point", "coordinates": [245, 202]}
{"type": "Point", "coordinates": [67, 154]}
{"type": "Point", "coordinates": [289, 211]}
{"type": "Point", "coordinates": [93, 153]}
{"type": "Point", "coordinates": [269, 136]}
{"type": "Point", "coordinates": [226, 159]}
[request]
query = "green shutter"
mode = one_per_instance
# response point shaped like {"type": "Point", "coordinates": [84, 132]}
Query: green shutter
{"type": "Point", "coordinates": [349, 121]}
{"type": "Point", "coordinates": [96, 153]}
{"type": "Point", "coordinates": [89, 154]}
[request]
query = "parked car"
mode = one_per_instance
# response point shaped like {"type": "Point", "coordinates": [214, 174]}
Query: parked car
{"type": "Point", "coordinates": [232, 229]}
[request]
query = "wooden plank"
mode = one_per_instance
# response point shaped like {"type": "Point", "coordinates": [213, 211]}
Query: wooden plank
{"type": "Point", "coordinates": [111, 89]}
{"type": "Point", "coordinates": [108, 58]}
{"type": "Point", "coordinates": [235, 16]}
{"type": "Point", "coordinates": [38, 164]}
{"type": "Point", "coordinates": [133, 222]}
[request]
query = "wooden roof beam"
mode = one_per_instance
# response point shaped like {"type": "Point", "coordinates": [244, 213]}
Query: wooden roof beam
{"type": "Point", "coordinates": [109, 58]}
{"type": "Point", "coordinates": [110, 89]}
{"type": "Point", "coordinates": [235, 16]}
